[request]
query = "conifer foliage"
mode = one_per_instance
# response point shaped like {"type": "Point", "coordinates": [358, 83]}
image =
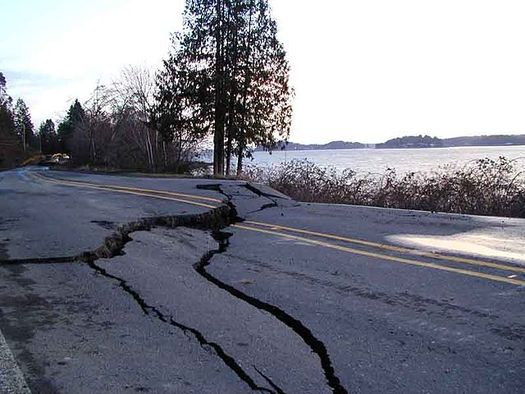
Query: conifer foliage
{"type": "Point", "coordinates": [7, 123]}
{"type": "Point", "coordinates": [74, 117]}
{"type": "Point", "coordinates": [48, 137]}
{"type": "Point", "coordinates": [23, 125]}
{"type": "Point", "coordinates": [227, 75]}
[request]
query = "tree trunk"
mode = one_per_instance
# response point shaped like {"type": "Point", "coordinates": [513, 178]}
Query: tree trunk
{"type": "Point", "coordinates": [24, 137]}
{"type": "Point", "coordinates": [165, 155]}
{"type": "Point", "coordinates": [232, 57]}
{"type": "Point", "coordinates": [230, 133]}
{"type": "Point", "coordinates": [218, 140]}
{"type": "Point", "coordinates": [239, 156]}
{"type": "Point", "coordinates": [247, 79]}
{"type": "Point", "coordinates": [156, 152]}
{"type": "Point", "coordinates": [228, 153]}
{"type": "Point", "coordinates": [149, 150]}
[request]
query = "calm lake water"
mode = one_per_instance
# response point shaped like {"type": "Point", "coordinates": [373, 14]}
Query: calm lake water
{"type": "Point", "coordinates": [403, 160]}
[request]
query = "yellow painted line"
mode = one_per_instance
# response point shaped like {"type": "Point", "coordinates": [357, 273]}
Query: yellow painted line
{"type": "Point", "coordinates": [159, 194]}
{"type": "Point", "coordinates": [169, 193]}
{"type": "Point", "coordinates": [392, 248]}
{"type": "Point", "coordinates": [386, 257]}
{"type": "Point", "coordinates": [137, 193]}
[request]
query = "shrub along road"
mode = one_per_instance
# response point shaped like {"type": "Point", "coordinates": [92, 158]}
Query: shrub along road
{"type": "Point", "coordinates": [134, 284]}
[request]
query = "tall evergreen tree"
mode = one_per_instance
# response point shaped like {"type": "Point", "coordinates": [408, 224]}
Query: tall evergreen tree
{"type": "Point", "coordinates": [48, 137]}
{"type": "Point", "coordinates": [11, 151]}
{"type": "Point", "coordinates": [264, 98]}
{"type": "Point", "coordinates": [3, 89]}
{"type": "Point", "coordinates": [74, 117]}
{"type": "Point", "coordinates": [183, 109]}
{"type": "Point", "coordinates": [229, 68]}
{"type": "Point", "coordinates": [7, 123]}
{"type": "Point", "coordinates": [23, 124]}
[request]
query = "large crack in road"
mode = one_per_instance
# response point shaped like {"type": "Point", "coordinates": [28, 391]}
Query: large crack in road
{"type": "Point", "coordinates": [215, 220]}
{"type": "Point", "coordinates": [212, 220]}
{"type": "Point", "coordinates": [150, 310]}
{"type": "Point", "coordinates": [114, 245]}
{"type": "Point", "coordinates": [316, 345]}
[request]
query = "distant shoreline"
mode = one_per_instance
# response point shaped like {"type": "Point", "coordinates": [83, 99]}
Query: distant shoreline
{"type": "Point", "coordinates": [412, 142]}
{"type": "Point", "coordinates": [400, 148]}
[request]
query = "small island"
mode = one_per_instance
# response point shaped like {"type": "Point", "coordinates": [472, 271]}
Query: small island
{"type": "Point", "coordinates": [427, 141]}
{"type": "Point", "coordinates": [417, 141]}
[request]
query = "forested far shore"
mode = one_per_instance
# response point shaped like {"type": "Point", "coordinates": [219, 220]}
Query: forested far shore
{"type": "Point", "coordinates": [426, 141]}
{"type": "Point", "coordinates": [418, 141]}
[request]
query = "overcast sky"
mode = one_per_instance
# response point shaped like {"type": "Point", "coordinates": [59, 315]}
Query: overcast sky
{"type": "Point", "coordinates": [363, 70]}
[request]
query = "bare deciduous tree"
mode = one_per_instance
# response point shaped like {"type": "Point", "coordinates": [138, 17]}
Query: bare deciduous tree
{"type": "Point", "coordinates": [118, 129]}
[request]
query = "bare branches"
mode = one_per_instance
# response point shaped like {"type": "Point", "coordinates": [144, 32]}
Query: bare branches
{"type": "Point", "coordinates": [483, 187]}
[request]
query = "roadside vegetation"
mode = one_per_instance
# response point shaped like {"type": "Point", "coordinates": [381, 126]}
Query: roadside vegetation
{"type": "Point", "coordinates": [17, 138]}
{"type": "Point", "coordinates": [482, 187]}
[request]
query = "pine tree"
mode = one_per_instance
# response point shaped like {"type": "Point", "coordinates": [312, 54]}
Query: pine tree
{"type": "Point", "coordinates": [11, 151]}
{"type": "Point", "coordinates": [228, 69]}
{"type": "Point", "coordinates": [23, 124]}
{"type": "Point", "coordinates": [7, 123]}
{"type": "Point", "coordinates": [183, 108]}
{"type": "Point", "coordinates": [264, 108]}
{"type": "Point", "coordinates": [74, 117]}
{"type": "Point", "coordinates": [48, 137]}
{"type": "Point", "coordinates": [4, 97]}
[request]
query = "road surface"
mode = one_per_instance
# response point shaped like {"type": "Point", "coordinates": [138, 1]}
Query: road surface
{"type": "Point", "coordinates": [121, 284]}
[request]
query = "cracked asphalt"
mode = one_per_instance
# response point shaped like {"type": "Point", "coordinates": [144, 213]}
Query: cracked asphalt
{"type": "Point", "coordinates": [121, 284]}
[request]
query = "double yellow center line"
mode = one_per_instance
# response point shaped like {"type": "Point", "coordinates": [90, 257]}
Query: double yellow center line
{"type": "Point", "coordinates": [317, 238]}
{"type": "Point", "coordinates": [277, 230]}
{"type": "Point", "coordinates": [165, 195]}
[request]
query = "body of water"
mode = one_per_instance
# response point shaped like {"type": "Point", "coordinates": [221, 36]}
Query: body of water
{"type": "Point", "coordinates": [403, 160]}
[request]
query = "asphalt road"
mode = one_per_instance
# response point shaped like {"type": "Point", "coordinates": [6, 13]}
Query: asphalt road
{"type": "Point", "coordinates": [121, 284]}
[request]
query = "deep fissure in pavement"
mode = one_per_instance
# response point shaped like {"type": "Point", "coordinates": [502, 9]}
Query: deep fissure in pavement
{"type": "Point", "coordinates": [260, 193]}
{"type": "Point", "coordinates": [114, 245]}
{"type": "Point", "coordinates": [217, 187]}
{"type": "Point", "coordinates": [277, 389]}
{"type": "Point", "coordinates": [150, 310]}
{"type": "Point", "coordinates": [254, 190]}
{"type": "Point", "coordinates": [214, 220]}
{"type": "Point", "coordinates": [297, 326]}
{"type": "Point", "coordinates": [317, 346]}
